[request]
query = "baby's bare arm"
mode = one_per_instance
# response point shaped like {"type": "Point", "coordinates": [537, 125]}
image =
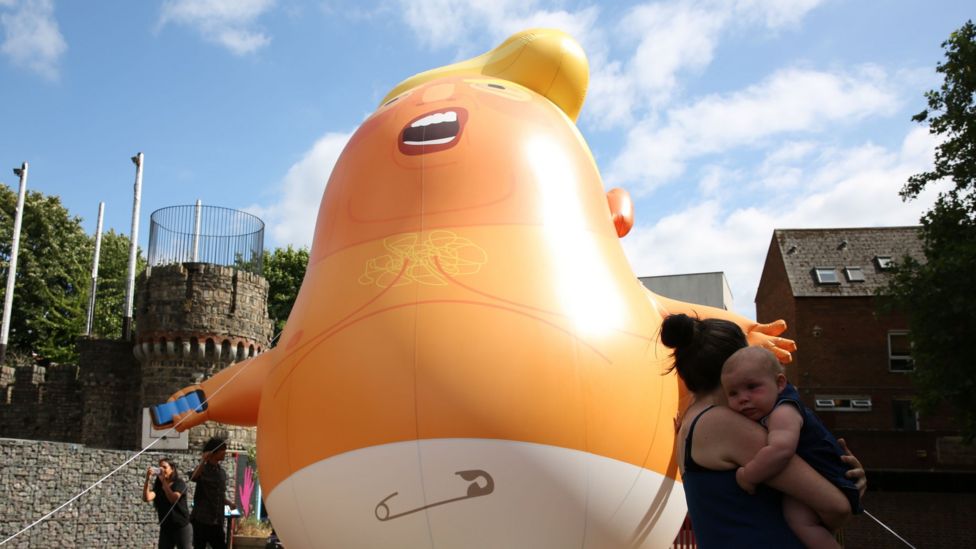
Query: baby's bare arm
{"type": "Point", "coordinates": [784, 431]}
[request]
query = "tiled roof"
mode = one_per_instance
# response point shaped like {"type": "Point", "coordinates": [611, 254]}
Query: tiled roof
{"type": "Point", "coordinates": [803, 250]}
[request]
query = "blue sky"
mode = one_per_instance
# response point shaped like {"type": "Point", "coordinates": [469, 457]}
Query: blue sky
{"type": "Point", "coordinates": [724, 119]}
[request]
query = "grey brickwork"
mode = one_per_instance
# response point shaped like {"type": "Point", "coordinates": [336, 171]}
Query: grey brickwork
{"type": "Point", "coordinates": [110, 378]}
{"type": "Point", "coordinates": [95, 403]}
{"type": "Point", "coordinates": [193, 320]}
{"type": "Point", "coordinates": [37, 477]}
{"type": "Point", "coordinates": [63, 427]}
{"type": "Point", "coordinates": [41, 403]}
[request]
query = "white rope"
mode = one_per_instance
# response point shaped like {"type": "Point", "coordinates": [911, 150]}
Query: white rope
{"type": "Point", "coordinates": [83, 492]}
{"type": "Point", "coordinates": [885, 526]}
{"type": "Point", "coordinates": [130, 460]}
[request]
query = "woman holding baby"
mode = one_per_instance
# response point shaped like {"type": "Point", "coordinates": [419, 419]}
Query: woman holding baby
{"type": "Point", "coordinates": [714, 442]}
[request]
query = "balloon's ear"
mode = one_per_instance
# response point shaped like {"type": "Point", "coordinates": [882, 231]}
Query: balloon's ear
{"type": "Point", "coordinates": [621, 211]}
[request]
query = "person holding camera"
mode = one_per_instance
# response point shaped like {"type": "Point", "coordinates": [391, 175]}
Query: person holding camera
{"type": "Point", "coordinates": [210, 496]}
{"type": "Point", "coordinates": [167, 492]}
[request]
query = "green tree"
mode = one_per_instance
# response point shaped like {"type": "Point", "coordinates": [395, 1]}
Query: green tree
{"type": "Point", "coordinates": [937, 293]}
{"type": "Point", "coordinates": [53, 269]}
{"type": "Point", "coordinates": [285, 269]}
{"type": "Point", "coordinates": [113, 268]}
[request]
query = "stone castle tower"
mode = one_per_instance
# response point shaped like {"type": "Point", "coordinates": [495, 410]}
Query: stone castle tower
{"type": "Point", "coordinates": [201, 304]}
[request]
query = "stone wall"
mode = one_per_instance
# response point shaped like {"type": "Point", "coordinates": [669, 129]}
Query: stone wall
{"type": "Point", "coordinates": [41, 402]}
{"type": "Point", "coordinates": [95, 404]}
{"type": "Point", "coordinates": [110, 378]}
{"type": "Point", "coordinates": [193, 320]}
{"type": "Point", "coordinates": [37, 477]}
{"type": "Point", "coordinates": [202, 311]}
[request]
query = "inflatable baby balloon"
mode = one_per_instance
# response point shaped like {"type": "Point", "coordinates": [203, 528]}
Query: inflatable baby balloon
{"type": "Point", "coordinates": [470, 361]}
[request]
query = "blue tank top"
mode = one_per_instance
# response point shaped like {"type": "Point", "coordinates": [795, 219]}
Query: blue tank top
{"type": "Point", "coordinates": [723, 515]}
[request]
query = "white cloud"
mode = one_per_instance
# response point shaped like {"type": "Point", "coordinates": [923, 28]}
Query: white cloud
{"type": "Point", "coordinates": [857, 187]}
{"type": "Point", "coordinates": [611, 97]}
{"type": "Point", "coordinates": [775, 13]}
{"type": "Point", "coordinates": [790, 151]}
{"type": "Point", "coordinates": [781, 169]}
{"type": "Point", "coordinates": [32, 38]}
{"type": "Point", "coordinates": [291, 218]}
{"type": "Point", "coordinates": [667, 38]}
{"type": "Point", "coordinates": [230, 23]}
{"type": "Point", "coordinates": [670, 39]}
{"type": "Point", "coordinates": [789, 101]}
{"type": "Point", "coordinates": [438, 23]}
{"type": "Point", "coordinates": [716, 180]}
{"type": "Point", "coordinates": [462, 24]}
{"type": "Point", "coordinates": [674, 37]}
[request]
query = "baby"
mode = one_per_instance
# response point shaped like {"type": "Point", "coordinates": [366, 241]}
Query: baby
{"type": "Point", "coordinates": [756, 387]}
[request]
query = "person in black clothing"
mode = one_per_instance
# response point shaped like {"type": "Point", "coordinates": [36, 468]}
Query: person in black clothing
{"type": "Point", "coordinates": [168, 494]}
{"type": "Point", "coordinates": [209, 497]}
{"type": "Point", "coordinates": [714, 441]}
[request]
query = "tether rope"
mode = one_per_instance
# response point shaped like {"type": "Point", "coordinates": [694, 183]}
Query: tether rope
{"type": "Point", "coordinates": [885, 526]}
{"type": "Point", "coordinates": [131, 459]}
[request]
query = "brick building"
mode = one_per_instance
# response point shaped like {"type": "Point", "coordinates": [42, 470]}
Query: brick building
{"type": "Point", "coordinates": [853, 368]}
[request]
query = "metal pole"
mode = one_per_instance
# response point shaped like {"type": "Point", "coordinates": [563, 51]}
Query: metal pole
{"type": "Point", "coordinates": [196, 232]}
{"type": "Point", "coordinates": [130, 287]}
{"type": "Point", "coordinates": [94, 275]}
{"type": "Point", "coordinates": [8, 298]}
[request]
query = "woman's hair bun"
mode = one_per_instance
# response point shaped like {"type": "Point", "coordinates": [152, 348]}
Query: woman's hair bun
{"type": "Point", "coordinates": [678, 330]}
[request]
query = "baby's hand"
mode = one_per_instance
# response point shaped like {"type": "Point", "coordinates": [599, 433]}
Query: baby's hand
{"type": "Point", "coordinates": [740, 478]}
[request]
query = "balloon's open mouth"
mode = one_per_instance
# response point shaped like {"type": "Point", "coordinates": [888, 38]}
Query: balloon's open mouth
{"type": "Point", "coordinates": [434, 131]}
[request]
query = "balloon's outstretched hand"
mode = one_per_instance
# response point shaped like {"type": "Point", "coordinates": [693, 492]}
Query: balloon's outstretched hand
{"type": "Point", "coordinates": [767, 337]}
{"type": "Point", "coordinates": [185, 408]}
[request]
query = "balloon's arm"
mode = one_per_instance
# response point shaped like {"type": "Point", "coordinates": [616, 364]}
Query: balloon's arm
{"type": "Point", "coordinates": [231, 396]}
{"type": "Point", "coordinates": [758, 334]}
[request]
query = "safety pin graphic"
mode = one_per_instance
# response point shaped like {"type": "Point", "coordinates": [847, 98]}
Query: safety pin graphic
{"type": "Point", "coordinates": [475, 490]}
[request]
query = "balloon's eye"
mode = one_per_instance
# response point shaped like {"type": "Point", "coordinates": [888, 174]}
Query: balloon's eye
{"type": "Point", "coordinates": [395, 99]}
{"type": "Point", "coordinates": [506, 90]}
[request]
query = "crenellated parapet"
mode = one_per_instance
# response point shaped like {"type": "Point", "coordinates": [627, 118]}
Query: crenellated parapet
{"type": "Point", "coordinates": [200, 300]}
{"type": "Point", "coordinates": [193, 320]}
{"type": "Point", "coordinates": [41, 403]}
{"type": "Point", "coordinates": [205, 348]}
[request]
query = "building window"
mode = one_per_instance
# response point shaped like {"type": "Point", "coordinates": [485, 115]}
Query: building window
{"type": "Point", "coordinates": [883, 262]}
{"type": "Point", "coordinates": [854, 274]}
{"type": "Point", "coordinates": [905, 417]}
{"type": "Point", "coordinates": [826, 275]}
{"type": "Point", "coordinates": [842, 403]}
{"type": "Point", "coordinates": [900, 352]}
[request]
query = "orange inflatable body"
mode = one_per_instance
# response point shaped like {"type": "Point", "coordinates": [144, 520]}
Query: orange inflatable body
{"type": "Point", "coordinates": [471, 361]}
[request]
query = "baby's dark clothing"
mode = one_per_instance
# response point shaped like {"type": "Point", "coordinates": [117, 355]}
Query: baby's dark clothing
{"type": "Point", "coordinates": [818, 447]}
